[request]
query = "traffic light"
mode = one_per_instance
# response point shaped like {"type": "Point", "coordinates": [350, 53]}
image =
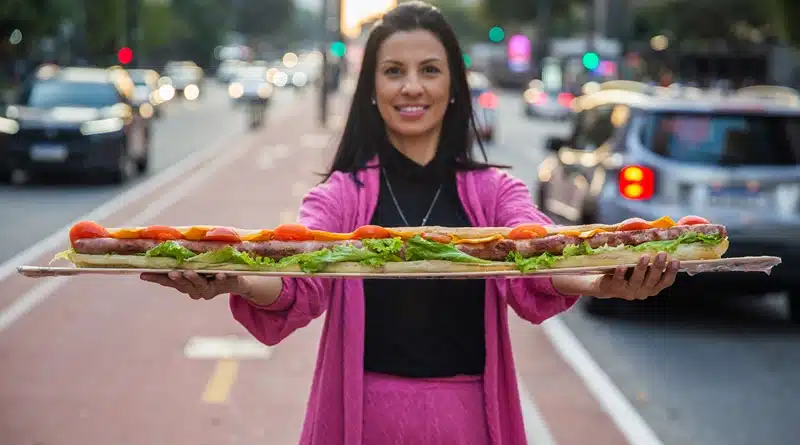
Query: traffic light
{"type": "Point", "coordinates": [591, 61]}
{"type": "Point", "coordinates": [467, 60]}
{"type": "Point", "coordinates": [338, 49]}
{"type": "Point", "coordinates": [125, 55]}
{"type": "Point", "coordinates": [496, 34]}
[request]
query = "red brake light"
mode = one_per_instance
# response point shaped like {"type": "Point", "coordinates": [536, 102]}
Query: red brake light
{"type": "Point", "coordinates": [565, 99]}
{"type": "Point", "coordinates": [636, 182]}
{"type": "Point", "coordinates": [487, 100]}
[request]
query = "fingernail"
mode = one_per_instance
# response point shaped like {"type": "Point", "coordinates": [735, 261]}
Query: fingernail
{"type": "Point", "coordinates": [674, 265]}
{"type": "Point", "coordinates": [644, 260]}
{"type": "Point", "coordinates": [174, 275]}
{"type": "Point", "coordinates": [662, 257]}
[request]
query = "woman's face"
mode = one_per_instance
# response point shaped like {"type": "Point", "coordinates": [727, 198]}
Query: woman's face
{"type": "Point", "coordinates": [412, 83]}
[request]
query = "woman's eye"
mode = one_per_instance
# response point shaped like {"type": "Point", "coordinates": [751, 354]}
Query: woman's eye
{"type": "Point", "coordinates": [391, 71]}
{"type": "Point", "coordinates": [430, 70]}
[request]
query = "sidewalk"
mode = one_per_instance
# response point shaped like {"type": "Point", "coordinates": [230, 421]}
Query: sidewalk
{"type": "Point", "coordinates": [114, 360]}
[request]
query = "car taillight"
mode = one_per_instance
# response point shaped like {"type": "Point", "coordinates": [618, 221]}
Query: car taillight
{"type": "Point", "coordinates": [565, 99]}
{"type": "Point", "coordinates": [636, 182]}
{"type": "Point", "coordinates": [487, 100]}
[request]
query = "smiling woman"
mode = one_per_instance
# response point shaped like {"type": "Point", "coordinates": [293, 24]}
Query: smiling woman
{"type": "Point", "coordinates": [413, 360]}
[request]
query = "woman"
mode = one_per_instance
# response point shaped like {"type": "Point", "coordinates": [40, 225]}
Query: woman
{"type": "Point", "coordinates": [412, 361]}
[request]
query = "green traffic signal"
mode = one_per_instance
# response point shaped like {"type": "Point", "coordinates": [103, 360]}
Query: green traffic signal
{"type": "Point", "coordinates": [591, 61]}
{"type": "Point", "coordinates": [338, 49]}
{"type": "Point", "coordinates": [467, 60]}
{"type": "Point", "coordinates": [496, 34]}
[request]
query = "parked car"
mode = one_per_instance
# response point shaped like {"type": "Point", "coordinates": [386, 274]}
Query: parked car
{"type": "Point", "coordinates": [74, 120]}
{"type": "Point", "coordinates": [731, 159]}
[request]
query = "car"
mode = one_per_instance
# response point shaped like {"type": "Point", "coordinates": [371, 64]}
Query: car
{"type": "Point", "coordinates": [540, 101]}
{"type": "Point", "coordinates": [251, 84]}
{"type": "Point", "coordinates": [185, 77]}
{"type": "Point", "coordinates": [148, 97]}
{"type": "Point", "coordinates": [732, 159]}
{"type": "Point", "coordinates": [484, 105]}
{"type": "Point", "coordinates": [74, 120]}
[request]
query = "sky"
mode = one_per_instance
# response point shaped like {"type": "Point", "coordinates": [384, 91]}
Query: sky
{"type": "Point", "coordinates": [353, 11]}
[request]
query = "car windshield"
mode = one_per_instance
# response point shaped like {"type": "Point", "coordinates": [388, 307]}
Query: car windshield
{"type": "Point", "coordinates": [55, 93]}
{"type": "Point", "coordinates": [729, 139]}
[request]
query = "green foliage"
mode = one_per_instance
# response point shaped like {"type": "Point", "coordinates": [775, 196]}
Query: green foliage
{"type": "Point", "coordinates": [258, 18]}
{"type": "Point", "coordinates": [522, 11]}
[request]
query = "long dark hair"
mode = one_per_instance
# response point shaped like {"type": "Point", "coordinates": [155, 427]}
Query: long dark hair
{"type": "Point", "coordinates": [365, 133]}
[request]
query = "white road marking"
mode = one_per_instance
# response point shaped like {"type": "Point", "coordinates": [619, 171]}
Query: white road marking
{"type": "Point", "coordinates": [536, 431]}
{"type": "Point", "coordinates": [115, 204]}
{"type": "Point", "coordinates": [46, 288]}
{"type": "Point", "coordinates": [230, 347]}
{"type": "Point", "coordinates": [622, 413]}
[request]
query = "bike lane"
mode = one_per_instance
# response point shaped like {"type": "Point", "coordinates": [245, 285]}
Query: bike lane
{"type": "Point", "coordinates": [105, 359]}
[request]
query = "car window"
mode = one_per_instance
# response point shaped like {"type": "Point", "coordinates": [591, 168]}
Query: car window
{"type": "Point", "coordinates": [724, 138]}
{"type": "Point", "coordinates": [55, 93]}
{"type": "Point", "coordinates": [594, 127]}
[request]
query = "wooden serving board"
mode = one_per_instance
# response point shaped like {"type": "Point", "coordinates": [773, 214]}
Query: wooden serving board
{"type": "Point", "coordinates": [735, 264]}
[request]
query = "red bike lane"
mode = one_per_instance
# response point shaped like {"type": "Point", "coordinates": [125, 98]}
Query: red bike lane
{"type": "Point", "coordinates": [111, 359]}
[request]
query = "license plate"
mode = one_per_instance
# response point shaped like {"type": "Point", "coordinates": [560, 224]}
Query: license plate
{"type": "Point", "coordinates": [740, 197]}
{"type": "Point", "coordinates": [48, 153]}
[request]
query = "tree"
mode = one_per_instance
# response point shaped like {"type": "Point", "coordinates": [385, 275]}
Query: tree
{"type": "Point", "coordinates": [785, 13]}
{"type": "Point", "coordinates": [464, 20]}
{"type": "Point", "coordinates": [259, 18]}
{"type": "Point", "coordinates": [523, 11]}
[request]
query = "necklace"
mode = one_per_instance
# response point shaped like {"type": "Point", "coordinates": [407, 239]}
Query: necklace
{"type": "Point", "coordinates": [397, 205]}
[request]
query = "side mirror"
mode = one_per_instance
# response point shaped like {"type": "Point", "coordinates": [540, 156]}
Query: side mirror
{"type": "Point", "coordinates": [555, 144]}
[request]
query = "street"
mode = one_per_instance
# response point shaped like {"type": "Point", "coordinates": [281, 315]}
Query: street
{"type": "Point", "coordinates": [115, 360]}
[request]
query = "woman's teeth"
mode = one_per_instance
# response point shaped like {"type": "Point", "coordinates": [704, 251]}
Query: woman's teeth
{"type": "Point", "coordinates": [412, 109]}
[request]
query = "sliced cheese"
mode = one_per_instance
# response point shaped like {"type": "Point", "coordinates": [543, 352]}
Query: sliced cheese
{"type": "Point", "coordinates": [401, 234]}
{"type": "Point", "coordinates": [665, 222]}
{"type": "Point", "coordinates": [591, 233]}
{"type": "Point", "coordinates": [130, 233]}
{"type": "Point", "coordinates": [260, 235]}
{"type": "Point", "coordinates": [484, 240]}
{"type": "Point", "coordinates": [196, 233]}
{"type": "Point", "coordinates": [321, 235]}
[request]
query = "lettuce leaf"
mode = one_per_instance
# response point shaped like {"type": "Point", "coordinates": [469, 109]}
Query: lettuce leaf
{"type": "Point", "coordinates": [230, 255]}
{"type": "Point", "coordinates": [376, 253]}
{"type": "Point", "coordinates": [170, 249]}
{"type": "Point", "coordinates": [418, 249]}
{"type": "Point", "coordinates": [547, 260]}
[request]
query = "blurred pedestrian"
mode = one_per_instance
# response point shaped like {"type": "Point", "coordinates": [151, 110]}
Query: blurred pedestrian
{"type": "Point", "coordinates": [413, 361]}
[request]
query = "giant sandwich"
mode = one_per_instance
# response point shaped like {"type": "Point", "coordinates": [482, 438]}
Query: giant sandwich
{"type": "Point", "coordinates": [373, 249]}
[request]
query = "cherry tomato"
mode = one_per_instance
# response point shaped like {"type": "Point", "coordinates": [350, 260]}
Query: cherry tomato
{"type": "Point", "coordinates": [527, 231]}
{"type": "Point", "coordinates": [634, 224]}
{"type": "Point", "coordinates": [225, 234]}
{"type": "Point", "coordinates": [162, 233]}
{"type": "Point", "coordinates": [292, 232]}
{"type": "Point", "coordinates": [375, 232]}
{"type": "Point", "coordinates": [691, 220]}
{"type": "Point", "coordinates": [87, 229]}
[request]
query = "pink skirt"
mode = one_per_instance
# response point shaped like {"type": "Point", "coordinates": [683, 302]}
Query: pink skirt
{"type": "Point", "coordinates": [441, 411]}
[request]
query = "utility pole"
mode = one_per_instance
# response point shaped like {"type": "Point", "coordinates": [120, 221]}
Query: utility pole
{"type": "Point", "coordinates": [324, 49]}
{"type": "Point", "coordinates": [543, 19]}
{"type": "Point", "coordinates": [132, 30]}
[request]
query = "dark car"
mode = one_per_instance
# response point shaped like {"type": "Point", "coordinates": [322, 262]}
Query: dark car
{"type": "Point", "coordinates": [74, 120]}
{"type": "Point", "coordinates": [733, 159]}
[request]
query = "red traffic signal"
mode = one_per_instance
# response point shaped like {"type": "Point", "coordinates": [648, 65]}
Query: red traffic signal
{"type": "Point", "coordinates": [125, 55]}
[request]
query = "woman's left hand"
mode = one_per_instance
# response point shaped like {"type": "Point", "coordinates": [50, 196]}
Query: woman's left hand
{"type": "Point", "coordinates": [646, 281]}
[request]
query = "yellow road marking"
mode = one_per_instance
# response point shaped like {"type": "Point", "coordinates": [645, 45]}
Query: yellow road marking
{"type": "Point", "coordinates": [219, 385]}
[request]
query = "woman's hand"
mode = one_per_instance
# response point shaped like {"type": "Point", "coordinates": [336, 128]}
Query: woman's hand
{"type": "Point", "coordinates": [646, 281]}
{"type": "Point", "coordinates": [199, 288]}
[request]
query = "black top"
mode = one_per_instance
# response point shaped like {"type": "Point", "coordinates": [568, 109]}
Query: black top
{"type": "Point", "coordinates": [422, 328]}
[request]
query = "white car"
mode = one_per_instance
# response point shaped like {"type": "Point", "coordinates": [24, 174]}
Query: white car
{"type": "Point", "coordinates": [251, 84]}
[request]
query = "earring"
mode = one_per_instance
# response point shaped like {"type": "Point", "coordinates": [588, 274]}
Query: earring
{"type": "Point", "coordinates": [452, 100]}
{"type": "Point", "coordinates": [374, 102]}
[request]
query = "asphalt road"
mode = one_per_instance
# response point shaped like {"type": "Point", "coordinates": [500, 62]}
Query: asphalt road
{"type": "Point", "coordinates": [33, 211]}
{"type": "Point", "coordinates": [705, 373]}
{"type": "Point", "coordinates": [700, 373]}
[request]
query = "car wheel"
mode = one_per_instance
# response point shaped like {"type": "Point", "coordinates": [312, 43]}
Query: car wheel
{"type": "Point", "coordinates": [124, 169]}
{"type": "Point", "coordinates": [143, 162]}
{"type": "Point", "coordinates": [794, 306]}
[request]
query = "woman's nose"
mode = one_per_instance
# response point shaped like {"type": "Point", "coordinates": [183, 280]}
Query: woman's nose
{"type": "Point", "coordinates": [412, 86]}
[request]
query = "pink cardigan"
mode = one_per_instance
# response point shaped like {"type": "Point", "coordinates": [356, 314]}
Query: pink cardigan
{"type": "Point", "coordinates": [492, 198]}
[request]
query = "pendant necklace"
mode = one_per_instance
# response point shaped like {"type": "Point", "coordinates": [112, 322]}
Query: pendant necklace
{"type": "Point", "coordinates": [397, 205]}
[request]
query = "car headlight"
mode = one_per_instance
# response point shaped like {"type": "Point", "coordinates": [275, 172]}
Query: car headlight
{"type": "Point", "coordinates": [264, 91]}
{"type": "Point", "coordinates": [191, 92]}
{"type": "Point", "coordinates": [101, 126]}
{"type": "Point", "coordinates": [235, 90]}
{"type": "Point", "coordinates": [8, 126]}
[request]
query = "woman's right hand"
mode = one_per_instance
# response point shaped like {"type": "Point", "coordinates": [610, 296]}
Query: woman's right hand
{"type": "Point", "coordinates": [197, 287]}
